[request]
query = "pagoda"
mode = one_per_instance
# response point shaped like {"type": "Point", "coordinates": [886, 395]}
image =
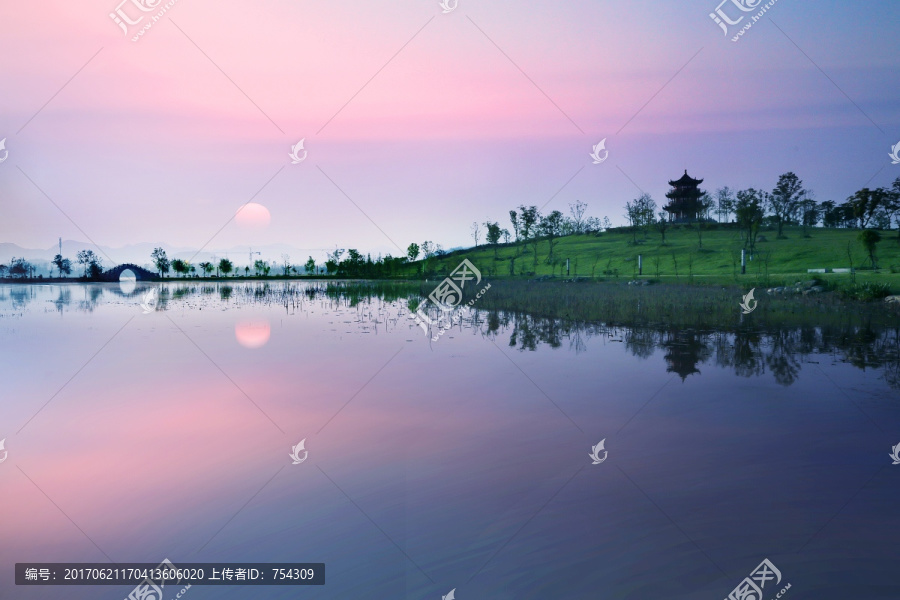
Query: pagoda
{"type": "Point", "coordinates": [684, 198]}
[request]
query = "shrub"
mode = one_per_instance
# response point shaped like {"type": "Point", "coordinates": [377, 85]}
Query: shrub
{"type": "Point", "coordinates": [866, 291]}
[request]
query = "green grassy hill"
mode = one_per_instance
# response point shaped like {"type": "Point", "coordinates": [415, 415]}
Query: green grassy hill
{"type": "Point", "coordinates": [613, 255]}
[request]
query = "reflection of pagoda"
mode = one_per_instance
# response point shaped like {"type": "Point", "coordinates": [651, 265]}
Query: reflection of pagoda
{"type": "Point", "coordinates": [683, 351]}
{"type": "Point", "coordinates": [684, 198]}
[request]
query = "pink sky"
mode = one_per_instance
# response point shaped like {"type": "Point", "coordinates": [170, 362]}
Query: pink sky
{"type": "Point", "coordinates": [151, 142]}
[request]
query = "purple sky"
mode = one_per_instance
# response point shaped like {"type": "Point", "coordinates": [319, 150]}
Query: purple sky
{"type": "Point", "coordinates": [425, 121]}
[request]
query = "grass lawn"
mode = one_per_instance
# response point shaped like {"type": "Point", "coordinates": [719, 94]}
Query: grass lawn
{"type": "Point", "coordinates": [614, 255]}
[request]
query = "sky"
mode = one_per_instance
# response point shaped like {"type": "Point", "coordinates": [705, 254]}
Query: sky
{"type": "Point", "coordinates": [416, 122]}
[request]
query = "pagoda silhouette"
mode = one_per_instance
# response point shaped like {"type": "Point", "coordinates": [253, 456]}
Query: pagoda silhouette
{"type": "Point", "coordinates": [684, 199]}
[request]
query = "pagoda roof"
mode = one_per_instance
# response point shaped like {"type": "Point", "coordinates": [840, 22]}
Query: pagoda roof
{"type": "Point", "coordinates": [686, 180]}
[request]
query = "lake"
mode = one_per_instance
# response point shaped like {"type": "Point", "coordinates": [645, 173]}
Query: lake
{"type": "Point", "coordinates": [152, 421]}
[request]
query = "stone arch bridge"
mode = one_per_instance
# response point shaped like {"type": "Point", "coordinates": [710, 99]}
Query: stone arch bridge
{"type": "Point", "coordinates": [140, 273]}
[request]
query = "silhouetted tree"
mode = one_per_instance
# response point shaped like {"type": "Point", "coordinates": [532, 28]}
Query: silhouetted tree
{"type": "Point", "coordinates": [19, 267]}
{"type": "Point", "coordinates": [63, 265]}
{"type": "Point", "coordinates": [809, 213]}
{"type": "Point", "coordinates": [160, 260]}
{"type": "Point", "coordinates": [784, 201]}
{"type": "Point", "coordinates": [225, 266]}
{"type": "Point", "coordinates": [867, 205]}
{"type": "Point", "coordinates": [577, 220]}
{"type": "Point", "coordinates": [724, 202]}
{"type": "Point", "coordinates": [870, 239]}
{"type": "Point", "coordinates": [259, 266]}
{"type": "Point", "coordinates": [89, 260]}
{"type": "Point", "coordinates": [180, 266]}
{"type": "Point", "coordinates": [514, 219]}
{"type": "Point", "coordinates": [749, 212]}
{"type": "Point", "coordinates": [662, 225]}
{"type": "Point", "coordinates": [551, 227]}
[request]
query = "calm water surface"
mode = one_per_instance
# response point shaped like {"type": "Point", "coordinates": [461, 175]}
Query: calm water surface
{"type": "Point", "coordinates": [461, 463]}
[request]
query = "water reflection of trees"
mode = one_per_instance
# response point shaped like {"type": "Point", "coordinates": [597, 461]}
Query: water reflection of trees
{"type": "Point", "coordinates": [748, 352]}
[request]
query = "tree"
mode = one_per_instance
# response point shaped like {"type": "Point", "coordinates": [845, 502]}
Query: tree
{"type": "Point", "coordinates": [784, 201]}
{"type": "Point", "coordinates": [640, 214]}
{"type": "Point", "coordinates": [662, 224]}
{"type": "Point", "coordinates": [412, 252]}
{"type": "Point", "coordinates": [528, 220]}
{"type": "Point", "coordinates": [310, 265]}
{"type": "Point", "coordinates": [749, 213]}
{"type": "Point", "coordinates": [867, 205]}
{"type": "Point", "coordinates": [705, 203]}
{"type": "Point", "coordinates": [829, 214]}
{"type": "Point", "coordinates": [63, 265]}
{"type": "Point", "coordinates": [259, 266]}
{"type": "Point", "coordinates": [333, 260]}
{"type": "Point", "coordinates": [4, 270]}
{"type": "Point", "coordinates": [870, 239]}
{"type": "Point", "coordinates": [19, 267]}
{"type": "Point", "coordinates": [493, 232]}
{"type": "Point", "coordinates": [724, 202]}
{"type": "Point", "coordinates": [225, 266]}
{"type": "Point", "coordinates": [160, 260]}
{"type": "Point", "coordinates": [89, 261]}
{"type": "Point", "coordinates": [206, 267]}
{"type": "Point", "coordinates": [94, 269]}
{"type": "Point", "coordinates": [551, 227]}
{"type": "Point", "coordinates": [180, 266]}
{"type": "Point", "coordinates": [514, 219]}
{"type": "Point", "coordinates": [427, 249]}
{"type": "Point", "coordinates": [837, 215]}
{"type": "Point", "coordinates": [892, 208]}
{"type": "Point", "coordinates": [529, 217]}
{"type": "Point", "coordinates": [476, 232]}
{"type": "Point", "coordinates": [633, 215]}
{"type": "Point", "coordinates": [809, 213]}
{"type": "Point", "coordinates": [285, 264]}
{"type": "Point", "coordinates": [646, 211]}
{"type": "Point", "coordinates": [577, 211]}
